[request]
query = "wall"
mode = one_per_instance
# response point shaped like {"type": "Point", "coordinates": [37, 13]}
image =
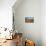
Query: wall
{"type": "Point", "coordinates": [43, 22]}
{"type": "Point", "coordinates": [31, 8]}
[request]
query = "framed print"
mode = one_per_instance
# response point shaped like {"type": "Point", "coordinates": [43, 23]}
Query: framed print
{"type": "Point", "coordinates": [29, 19]}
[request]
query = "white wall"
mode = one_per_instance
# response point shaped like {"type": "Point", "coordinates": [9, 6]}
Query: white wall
{"type": "Point", "coordinates": [43, 22]}
{"type": "Point", "coordinates": [23, 25]}
{"type": "Point", "coordinates": [30, 8]}
{"type": "Point", "coordinates": [6, 13]}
